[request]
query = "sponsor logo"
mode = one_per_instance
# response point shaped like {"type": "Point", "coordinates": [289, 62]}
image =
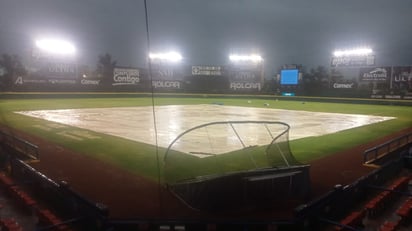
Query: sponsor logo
{"type": "Point", "coordinates": [62, 81]}
{"type": "Point", "coordinates": [89, 82]}
{"type": "Point", "coordinates": [20, 81]}
{"type": "Point", "coordinates": [407, 97]}
{"type": "Point", "coordinates": [343, 85]}
{"type": "Point", "coordinates": [206, 70]}
{"type": "Point", "coordinates": [244, 75]}
{"type": "Point", "coordinates": [241, 86]}
{"type": "Point", "coordinates": [378, 71]}
{"type": "Point", "coordinates": [61, 68]}
{"type": "Point", "coordinates": [126, 76]}
{"type": "Point", "coordinates": [166, 84]}
{"type": "Point", "coordinates": [403, 77]}
{"type": "Point", "coordinates": [165, 73]}
{"type": "Point", "coordinates": [375, 74]}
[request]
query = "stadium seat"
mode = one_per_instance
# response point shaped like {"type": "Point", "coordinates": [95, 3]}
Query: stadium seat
{"type": "Point", "coordinates": [46, 217]}
{"type": "Point", "coordinates": [378, 203]}
{"type": "Point", "coordinates": [6, 181]}
{"type": "Point", "coordinates": [22, 198]}
{"type": "Point", "coordinates": [405, 210]}
{"type": "Point", "coordinates": [353, 219]}
{"type": "Point", "coordinates": [389, 226]}
{"type": "Point", "coordinates": [10, 224]}
{"type": "Point", "coordinates": [400, 183]}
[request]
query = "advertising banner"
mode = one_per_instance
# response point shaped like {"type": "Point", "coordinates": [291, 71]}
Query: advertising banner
{"type": "Point", "coordinates": [46, 73]}
{"type": "Point", "coordinates": [126, 76]}
{"type": "Point", "coordinates": [402, 79]}
{"type": "Point", "coordinates": [375, 74]}
{"type": "Point", "coordinates": [345, 85]}
{"type": "Point", "coordinates": [245, 86]}
{"type": "Point", "coordinates": [251, 75]}
{"type": "Point", "coordinates": [53, 70]}
{"type": "Point", "coordinates": [207, 70]}
{"type": "Point", "coordinates": [90, 82]}
{"type": "Point", "coordinates": [167, 72]}
{"type": "Point", "coordinates": [166, 85]}
{"type": "Point", "coordinates": [245, 78]}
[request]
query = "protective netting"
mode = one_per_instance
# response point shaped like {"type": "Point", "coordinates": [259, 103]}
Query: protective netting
{"type": "Point", "coordinates": [218, 148]}
{"type": "Point", "coordinates": [232, 164]}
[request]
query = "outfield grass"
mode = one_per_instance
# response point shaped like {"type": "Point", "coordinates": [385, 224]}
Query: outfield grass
{"type": "Point", "coordinates": [141, 158]}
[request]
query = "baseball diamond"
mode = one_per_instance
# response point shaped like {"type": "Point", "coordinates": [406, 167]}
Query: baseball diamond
{"type": "Point", "coordinates": [174, 119]}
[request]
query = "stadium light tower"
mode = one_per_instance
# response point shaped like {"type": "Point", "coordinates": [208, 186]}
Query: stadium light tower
{"type": "Point", "coordinates": [172, 57]}
{"type": "Point", "coordinates": [353, 52]}
{"type": "Point", "coordinates": [252, 61]}
{"type": "Point", "coordinates": [56, 47]}
{"type": "Point", "coordinates": [253, 58]}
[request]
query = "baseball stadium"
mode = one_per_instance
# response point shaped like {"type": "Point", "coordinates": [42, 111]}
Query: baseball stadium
{"type": "Point", "coordinates": [171, 141]}
{"type": "Point", "coordinates": [202, 161]}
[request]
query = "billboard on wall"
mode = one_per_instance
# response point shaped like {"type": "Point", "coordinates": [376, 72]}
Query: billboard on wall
{"type": "Point", "coordinates": [47, 72]}
{"type": "Point", "coordinates": [54, 70]}
{"type": "Point", "coordinates": [382, 74]}
{"type": "Point", "coordinates": [207, 70]}
{"type": "Point", "coordinates": [166, 85]}
{"type": "Point", "coordinates": [245, 79]}
{"type": "Point", "coordinates": [353, 61]}
{"type": "Point", "coordinates": [60, 70]}
{"type": "Point", "coordinates": [402, 79]}
{"type": "Point", "coordinates": [126, 76]}
{"type": "Point", "coordinates": [166, 77]}
{"type": "Point", "coordinates": [344, 85]}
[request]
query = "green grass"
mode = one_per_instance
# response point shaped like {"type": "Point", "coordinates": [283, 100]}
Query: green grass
{"type": "Point", "coordinates": [141, 159]}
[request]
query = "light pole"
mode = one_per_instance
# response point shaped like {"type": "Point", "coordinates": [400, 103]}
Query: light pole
{"type": "Point", "coordinates": [55, 47]}
{"type": "Point", "coordinates": [353, 52]}
{"type": "Point", "coordinates": [171, 56]}
{"type": "Point", "coordinates": [253, 58]}
{"type": "Point", "coordinates": [165, 69]}
{"type": "Point", "coordinates": [54, 51]}
{"type": "Point", "coordinates": [346, 57]}
{"type": "Point", "coordinates": [249, 60]}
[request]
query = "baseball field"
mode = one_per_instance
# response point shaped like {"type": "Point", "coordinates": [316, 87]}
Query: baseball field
{"type": "Point", "coordinates": [129, 135]}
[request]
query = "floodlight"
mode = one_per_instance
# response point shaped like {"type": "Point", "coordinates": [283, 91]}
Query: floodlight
{"type": "Point", "coordinates": [54, 46]}
{"type": "Point", "coordinates": [353, 52]}
{"type": "Point", "coordinates": [246, 58]}
{"type": "Point", "coordinates": [169, 56]}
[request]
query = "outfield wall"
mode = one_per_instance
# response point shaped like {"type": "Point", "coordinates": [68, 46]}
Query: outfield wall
{"type": "Point", "coordinates": [79, 95]}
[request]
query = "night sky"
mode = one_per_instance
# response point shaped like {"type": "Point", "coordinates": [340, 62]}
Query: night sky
{"type": "Point", "coordinates": [207, 31]}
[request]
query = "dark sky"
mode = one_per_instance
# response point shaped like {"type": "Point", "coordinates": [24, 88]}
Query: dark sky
{"type": "Point", "coordinates": [207, 31]}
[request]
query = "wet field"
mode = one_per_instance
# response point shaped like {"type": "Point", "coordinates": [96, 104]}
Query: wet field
{"type": "Point", "coordinates": [137, 123]}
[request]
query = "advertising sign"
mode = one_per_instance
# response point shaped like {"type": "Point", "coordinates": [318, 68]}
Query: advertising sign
{"type": "Point", "coordinates": [343, 85]}
{"type": "Point", "coordinates": [245, 86]}
{"type": "Point", "coordinates": [375, 74]}
{"type": "Point", "coordinates": [244, 75]}
{"type": "Point", "coordinates": [167, 85]}
{"type": "Point", "coordinates": [20, 80]}
{"type": "Point", "coordinates": [93, 82]}
{"type": "Point", "coordinates": [54, 70]}
{"type": "Point", "coordinates": [353, 61]}
{"type": "Point", "coordinates": [245, 78]}
{"type": "Point", "coordinates": [402, 78]}
{"type": "Point", "coordinates": [207, 70]}
{"type": "Point", "coordinates": [126, 76]}
{"type": "Point", "coordinates": [167, 72]}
